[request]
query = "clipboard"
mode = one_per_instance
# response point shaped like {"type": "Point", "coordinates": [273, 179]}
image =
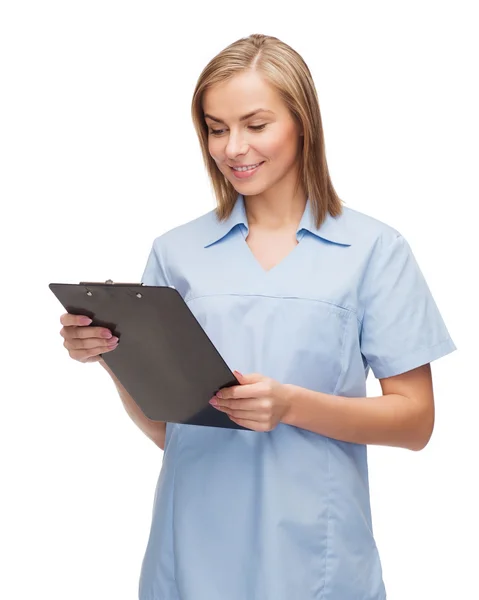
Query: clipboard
{"type": "Point", "coordinates": [165, 360]}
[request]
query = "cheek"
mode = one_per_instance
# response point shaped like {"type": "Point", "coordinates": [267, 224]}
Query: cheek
{"type": "Point", "coordinates": [279, 146]}
{"type": "Point", "coordinates": [216, 150]}
{"type": "Point", "coordinates": [211, 148]}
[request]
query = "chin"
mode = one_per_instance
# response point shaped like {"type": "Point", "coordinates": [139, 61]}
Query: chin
{"type": "Point", "coordinates": [248, 190]}
{"type": "Point", "coordinates": [249, 185]}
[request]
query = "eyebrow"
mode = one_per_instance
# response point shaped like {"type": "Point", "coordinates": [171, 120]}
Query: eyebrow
{"type": "Point", "coordinates": [243, 118]}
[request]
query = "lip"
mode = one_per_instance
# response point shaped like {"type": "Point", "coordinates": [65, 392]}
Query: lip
{"type": "Point", "coordinates": [239, 166]}
{"type": "Point", "coordinates": [246, 174]}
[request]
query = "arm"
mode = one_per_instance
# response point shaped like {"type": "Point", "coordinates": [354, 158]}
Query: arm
{"type": "Point", "coordinates": [403, 417]}
{"type": "Point", "coordinates": [155, 430]}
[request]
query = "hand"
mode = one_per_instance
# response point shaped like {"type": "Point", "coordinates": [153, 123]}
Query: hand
{"type": "Point", "coordinates": [84, 343]}
{"type": "Point", "coordinates": [259, 403]}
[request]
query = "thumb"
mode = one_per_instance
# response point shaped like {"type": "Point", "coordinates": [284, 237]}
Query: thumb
{"type": "Point", "coordinates": [249, 378]}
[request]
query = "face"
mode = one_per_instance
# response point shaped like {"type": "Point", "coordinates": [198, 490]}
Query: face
{"type": "Point", "coordinates": [267, 141]}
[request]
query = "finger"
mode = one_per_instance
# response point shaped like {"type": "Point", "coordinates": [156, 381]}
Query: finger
{"type": "Point", "coordinates": [243, 404]}
{"type": "Point", "coordinates": [89, 343]}
{"type": "Point", "coordinates": [92, 332]}
{"type": "Point", "coordinates": [248, 390]}
{"type": "Point", "coordinates": [84, 354]}
{"type": "Point", "coordinates": [248, 415]}
{"type": "Point", "coordinates": [68, 320]}
{"type": "Point", "coordinates": [250, 377]}
{"type": "Point", "coordinates": [85, 332]}
{"type": "Point", "coordinates": [254, 425]}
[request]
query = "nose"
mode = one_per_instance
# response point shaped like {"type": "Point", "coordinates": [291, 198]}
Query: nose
{"type": "Point", "coordinates": [236, 145]}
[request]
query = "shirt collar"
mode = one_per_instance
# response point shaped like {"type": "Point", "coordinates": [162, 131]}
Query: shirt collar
{"type": "Point", "coordinates": [332, 229]}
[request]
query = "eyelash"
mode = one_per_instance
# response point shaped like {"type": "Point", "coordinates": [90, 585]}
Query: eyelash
{"type": "Point", "coordinates": [254, 127]}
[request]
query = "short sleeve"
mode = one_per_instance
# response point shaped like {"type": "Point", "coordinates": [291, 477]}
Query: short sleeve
{"type": "Point", "coordinates": [401, 328]}
{"type": "Point", "coordinates": [155, 273]}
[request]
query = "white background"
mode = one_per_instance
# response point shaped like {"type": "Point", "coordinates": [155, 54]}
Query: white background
{"type": "Point", "coordinates": [99, 156]}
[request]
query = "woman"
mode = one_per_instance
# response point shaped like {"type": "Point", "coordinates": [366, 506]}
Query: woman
{"type": "Point", "coordinates": [303, 295]}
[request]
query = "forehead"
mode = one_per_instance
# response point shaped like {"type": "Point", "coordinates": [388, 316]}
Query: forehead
{"type": "Point", "coordinates": [241, 94]}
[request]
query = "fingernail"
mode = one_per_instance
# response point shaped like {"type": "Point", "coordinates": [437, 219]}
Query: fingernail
{"type": "Point", "coordinates": [85, 321]}
{"type": "Point", "coordinates": [214, 401]}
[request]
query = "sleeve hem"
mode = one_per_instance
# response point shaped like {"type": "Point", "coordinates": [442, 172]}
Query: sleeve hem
{"type": "Point", "coordinates": [412, 361]}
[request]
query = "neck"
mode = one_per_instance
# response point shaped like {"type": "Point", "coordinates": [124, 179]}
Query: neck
{"type": "Point", "coordinates": [272, 210]}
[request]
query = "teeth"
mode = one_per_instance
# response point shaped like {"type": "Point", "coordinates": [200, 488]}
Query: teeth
{"type": "Point", "coordinates": [246, 168]}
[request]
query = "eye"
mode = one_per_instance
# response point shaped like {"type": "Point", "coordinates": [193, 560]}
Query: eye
{"type": "Point", "coordinates": [254, 127]}
{"type": "Point", "coordinates": [216, 131]}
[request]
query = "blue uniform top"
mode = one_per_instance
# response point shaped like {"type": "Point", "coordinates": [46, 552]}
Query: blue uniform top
{"type": "Point", "coordinates": [284, 514]}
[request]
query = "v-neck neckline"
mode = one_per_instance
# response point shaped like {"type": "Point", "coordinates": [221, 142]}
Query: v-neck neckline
{"type": "Point", "coordinates": [267, 272]}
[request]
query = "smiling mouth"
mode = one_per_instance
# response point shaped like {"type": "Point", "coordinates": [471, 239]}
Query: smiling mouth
{"type": "Point", "coordinates": [248, 168]}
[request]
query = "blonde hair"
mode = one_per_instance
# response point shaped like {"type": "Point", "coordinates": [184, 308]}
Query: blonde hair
{"type": "Point", "coordinates": [285, 70]}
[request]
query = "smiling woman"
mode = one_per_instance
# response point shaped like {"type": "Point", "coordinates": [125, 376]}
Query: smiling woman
{"type": "Point", "coordinates": [320, 294]}
{"type": "Point", "coordinates": [256, 102]}
{"type": "Point", "coordinates": [268, 157]}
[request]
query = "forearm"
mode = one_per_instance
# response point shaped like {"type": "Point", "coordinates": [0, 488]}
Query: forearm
{"type": "Point", "coordinates": [389, 420]}
{"type": "Point", "coordinates": [155, 430]}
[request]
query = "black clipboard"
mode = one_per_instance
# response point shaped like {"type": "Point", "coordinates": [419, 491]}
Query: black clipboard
{"type": "Point", "coordinates": [164, 359]}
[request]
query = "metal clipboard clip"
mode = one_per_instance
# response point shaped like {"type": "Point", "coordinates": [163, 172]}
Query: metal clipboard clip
{"type": "Point", "coordinates": [110, 282]}
{"type": "Point", "coordinates": [107, 282]}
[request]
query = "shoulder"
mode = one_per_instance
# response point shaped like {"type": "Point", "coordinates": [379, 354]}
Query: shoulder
{"type": "Point", "coordinates": [384, 255]}
{"type": "Point", "coordinates": [187, 236]}
{"type": "Point", "coordinates": [366, 231]}
{"type": "Point", "coordinates": [377, 249]}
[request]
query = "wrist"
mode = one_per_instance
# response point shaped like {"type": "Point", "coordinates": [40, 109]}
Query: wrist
{"type": "Point", "coordinates": [289, 391]}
